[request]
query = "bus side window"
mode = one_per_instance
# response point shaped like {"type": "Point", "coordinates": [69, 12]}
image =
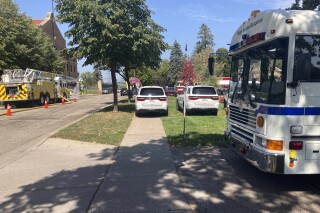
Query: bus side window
{"type": "Point", "coordinates": [302, 69]}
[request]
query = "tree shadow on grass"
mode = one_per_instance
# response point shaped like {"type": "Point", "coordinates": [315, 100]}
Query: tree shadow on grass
{"type": "Point", "coordinates": [123, 106]}
{"type": "Point", "coordinates": [197, 139]}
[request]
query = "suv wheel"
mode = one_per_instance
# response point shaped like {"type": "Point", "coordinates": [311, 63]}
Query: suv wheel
{"type": "Point", "coordinates": [137, 114]}
{"type": "Point", "coordinates": [177, 105]}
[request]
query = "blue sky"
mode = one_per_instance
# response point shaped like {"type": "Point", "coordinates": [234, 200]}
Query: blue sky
{"type": "Point", "coordinates": [181, 18]}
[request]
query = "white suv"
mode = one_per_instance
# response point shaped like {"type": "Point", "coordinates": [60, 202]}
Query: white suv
{"type": "Point", "coordinates": [151, 99]}
{"type": "Point", "coordinates": [199, 98]}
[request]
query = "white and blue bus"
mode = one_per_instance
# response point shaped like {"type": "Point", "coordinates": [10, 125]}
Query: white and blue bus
{"type": "Point", "coordinates": [273, 118]}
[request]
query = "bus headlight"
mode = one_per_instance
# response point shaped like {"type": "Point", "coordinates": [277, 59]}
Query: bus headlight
{"type": "Point", "coordinates": [296, 129]}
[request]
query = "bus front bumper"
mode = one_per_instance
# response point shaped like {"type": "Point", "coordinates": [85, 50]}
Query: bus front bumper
{"type": "Point", "coordinates": [263, 160]}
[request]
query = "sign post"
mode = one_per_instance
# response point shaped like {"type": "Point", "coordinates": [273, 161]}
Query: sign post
{"type": "Point", "coordinates": [184, 114]}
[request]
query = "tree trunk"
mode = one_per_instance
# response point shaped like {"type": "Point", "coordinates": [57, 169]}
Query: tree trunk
{"type": "Point", "coordinates": [128, 83]}
{"type": "Point", "coordinates": [114, 87]}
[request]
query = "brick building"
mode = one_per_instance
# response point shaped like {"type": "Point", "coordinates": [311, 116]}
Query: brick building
{"type": "Point", "coordinates": [49, 26]}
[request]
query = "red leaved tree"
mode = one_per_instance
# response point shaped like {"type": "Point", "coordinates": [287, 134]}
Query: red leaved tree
{"type": "Point", "coordinates": [187, 76]}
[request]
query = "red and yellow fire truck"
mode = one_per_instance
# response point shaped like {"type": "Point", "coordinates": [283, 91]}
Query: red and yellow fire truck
{"type": "Point", "coordinates": [30, 87]}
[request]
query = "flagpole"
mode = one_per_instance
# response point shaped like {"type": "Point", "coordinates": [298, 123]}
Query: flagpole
{"type": "Point", "coordinates": [186, 49]}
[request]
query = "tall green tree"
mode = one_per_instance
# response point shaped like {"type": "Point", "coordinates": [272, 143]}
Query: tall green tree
{"type": "Point", "coordinates": [222, 62]}
{"type": "Point", "coordinates": [24, 45]}
{"type": "Point", "coordinates": [162, 73]}
{"type": "Point", "coordinates": [113, 35]}
{"type": "Point", "coordinates": [88, 79]}
{"type": "Point", "coordinates": [97, 74]}
{"type": "Point", "coordinates": [304, 5]}
{"type": "Point", "coordinates": [200, 64]}
{"type": "Point", "coordinates": [201, 54]}
{"type": "Point", "coordinates": [175, 64]}
{"type": "Point", "coordinates": [205, 39]}
{"type": "Point", "coordinates": [147, 76]}
{"type": "Point", "coordinates": [157, 77]}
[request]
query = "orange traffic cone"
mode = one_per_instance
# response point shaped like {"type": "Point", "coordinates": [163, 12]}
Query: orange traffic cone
{"type": "Point", "coordinates": [8, 110]}
{"type": "Point", "coordinates": [45, 104]}
{"type": "Point", "coordinates": [62, 101]}
{"type": "Point", "coordinates": [74, 99]}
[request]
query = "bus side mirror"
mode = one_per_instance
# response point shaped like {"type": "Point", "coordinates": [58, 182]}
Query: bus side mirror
{"type": "Point", "coordinates": [211, 65]}
{"type": "Point", "coordinates": [293, 84]}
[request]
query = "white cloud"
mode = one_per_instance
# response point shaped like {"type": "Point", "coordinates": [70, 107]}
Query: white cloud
{"type": "Point", "coordinates": [201, 13]}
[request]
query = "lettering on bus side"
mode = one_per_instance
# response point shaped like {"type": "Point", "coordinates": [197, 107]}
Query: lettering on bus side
{"type": "Point", "coordinates": [250, 26]}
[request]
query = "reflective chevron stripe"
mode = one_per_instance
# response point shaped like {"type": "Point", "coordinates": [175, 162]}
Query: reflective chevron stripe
{"type": "Point", "coordinates": [22, 93]}
{"type": "Point", "coordinates": [2, 92]}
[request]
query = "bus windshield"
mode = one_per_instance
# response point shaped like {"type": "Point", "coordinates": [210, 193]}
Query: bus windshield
{"type": "Point", "coordinates": [259, 73]}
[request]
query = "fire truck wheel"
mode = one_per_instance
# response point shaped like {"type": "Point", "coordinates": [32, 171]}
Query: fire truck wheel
{"type": "Point", "coordinates": [56, 98]}
{"type": "Point", "coordinates": [47, 98]}
{"type": "Point", "coordinates": [42, 99]}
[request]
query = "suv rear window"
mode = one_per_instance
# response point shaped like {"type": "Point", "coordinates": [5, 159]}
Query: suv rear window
{"type": "Point", "coordinates": [204, 91]}
{"type": "Point", "coordinates": [151, 91]}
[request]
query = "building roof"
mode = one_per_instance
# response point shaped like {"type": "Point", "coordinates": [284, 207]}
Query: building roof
{"type": "Point", "coordinates": [37, 21]}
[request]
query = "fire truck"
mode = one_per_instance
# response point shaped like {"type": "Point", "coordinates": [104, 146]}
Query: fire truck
{"type": "Point", "coordinates": [179, 87]}
{"type": "Point", "coordinates": [65, 87]}
{"type": "Point", "coordinates": [223, 86]}
{"type": "Point", "coordinates": [32, 87]}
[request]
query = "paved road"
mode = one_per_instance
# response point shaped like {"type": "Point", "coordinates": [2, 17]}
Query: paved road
{"type": "Point", "coordinates": [217, 180]}
{"type": "Point", "coordinates": [25, 130]}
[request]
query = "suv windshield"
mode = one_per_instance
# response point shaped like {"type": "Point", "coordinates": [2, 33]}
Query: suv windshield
{"type": "Point", "coordinates": [204, 91]}
{"type": "Point", "coordinates": [151, 91]}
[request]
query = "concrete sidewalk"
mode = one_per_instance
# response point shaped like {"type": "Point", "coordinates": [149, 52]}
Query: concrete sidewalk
{"type": "Point", "coordinates": [143, 177]}
{"type": "Point", "coordinates": [58, 176]}
{"type": "Point", "coordinates": [72, 176]}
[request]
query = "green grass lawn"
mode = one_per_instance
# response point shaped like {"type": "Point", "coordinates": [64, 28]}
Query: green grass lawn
{"type": "Point", "coordinates": [105, 127]}
{"type": "Point", "coordinates": [201, 129]}
{"type": "Point", "coordinates": [108, 127]}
